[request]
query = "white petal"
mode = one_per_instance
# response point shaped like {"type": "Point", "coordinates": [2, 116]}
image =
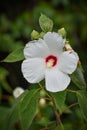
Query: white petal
{"type": "Point", "coordinates": [55, 42]}
{"type": "Point", "coordinates": [36, 49]}
{"type": "Point", "coordinates": [68, 62]}
{"type": "Point", "coordinates": [33, 69]}
{"type": "Point", "coordinates": [56, 80]}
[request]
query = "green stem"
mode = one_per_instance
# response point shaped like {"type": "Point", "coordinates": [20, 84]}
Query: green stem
{"type": "Point", "coordinates": [40, 85]}
{"type": "Point", "coordinates": [57, 115]}
{"type": "Point", "coordinates": [72, 91]}
{"type": "Point", "coordinates": [70, 106]}
{"type": "Point", "coordinates": [55, 108]}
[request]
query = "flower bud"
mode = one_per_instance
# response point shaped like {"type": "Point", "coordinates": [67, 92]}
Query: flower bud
{"type": "Point", "coordinates": [62, 32]}
{"type": "Point", "coordinates": [34, 35]}
{"type": "Point", "coordinates": [42, 93]}
{"type": "Point", "coordinates": [17, 91]}
{"type": "Point", "coordinates": [42, 102]}
{"type": "Point", "coordinates": [42, 34]}
{"type": "Point", "coordinates": [68, 47]}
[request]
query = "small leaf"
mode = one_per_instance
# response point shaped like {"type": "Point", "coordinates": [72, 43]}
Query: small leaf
{"type": "Point", "coordinates": [15, 56]}
{"type": "Point", "coordinates": [78, 78]}
{"type": "Point", "coordinates": [59, 98]}
{"type": "Point", "coordinates": [82, 99]}
{"type": "Point", "coordinates": [46, 23]}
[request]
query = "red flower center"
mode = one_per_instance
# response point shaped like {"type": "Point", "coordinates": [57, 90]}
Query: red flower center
{"type": "Point", "coordinates": [51, 61]}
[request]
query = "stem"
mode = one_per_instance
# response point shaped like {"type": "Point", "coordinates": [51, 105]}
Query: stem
{"type": "Point", "coordinates": [70, 106]}
{"type": "Point", "coordinates": [57, 115]}
{"type": "Point", "coordinates": [55, 108]}
{"type": "Point", "coordinates": [72, 91]}
{"type": "Point", "coordinates": [40, 85]}
{"type": "Point", "coordinates": [47, 99]}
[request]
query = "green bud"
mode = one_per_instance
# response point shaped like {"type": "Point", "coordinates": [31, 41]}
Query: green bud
{"type": "Point", "coordinates": [34, 35]}
{"type": "Point", "coordinates": [42, 34]}
{"type": "Point", "coordinates": [42, 93]}
{"type": "Point", "coordinates": [46, 23]}
{"type": "Point", "coordinates": [62, 31]}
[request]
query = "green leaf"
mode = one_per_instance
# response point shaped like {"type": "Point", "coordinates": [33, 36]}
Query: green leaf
{"type": "Point", "coordinates": [46, 23]}
{"type": "Point", "coordinates": [35, 126]}
{"type": "Point", "coordinates": [29, 106]}
{"type": "Point", "coordinates": [82, 99]}
{"type": "Point", "coordinates": [4, 112]}
{"type": "Point", "coordinates": [3, 82]}
{"type": "Point", "coordinates": [14, 115]}
{"type": "Point", "coordinates": [0, 94]}
{"type": "Point", "coordinates": [6, 86]}
{"type": "Point", "coordinates": [3, 73]}
{"type": "Point", "coordinates": [78, 78]}
{"type": "Point", "coordinates": [15, 56]}
{"type": "Point", "coordinates": [66, 127]}
{"type": "Point", "coordinates": [59, 98]}
{"type": "Point", "coordinates": [24, 109]}
{"type": "Point", "coordinates": [8, 42]}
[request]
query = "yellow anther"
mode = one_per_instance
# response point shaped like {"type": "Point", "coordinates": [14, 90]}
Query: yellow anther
{"type": "Point", "coordinates": [49, 64]}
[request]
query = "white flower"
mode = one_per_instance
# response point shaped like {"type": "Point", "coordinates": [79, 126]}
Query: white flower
{"type": "Point", "coordinates": [17, 91]}
{"type": "Point", "coordinates": [44, 58]}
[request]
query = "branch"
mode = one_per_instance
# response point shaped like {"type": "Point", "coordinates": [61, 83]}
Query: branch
{"type": "Point", "coordinates": [72, 105]}
{"type": "Point", "coordinates": [57, 115]}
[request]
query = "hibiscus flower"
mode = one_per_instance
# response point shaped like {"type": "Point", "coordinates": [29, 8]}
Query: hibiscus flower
{"type": "Point", "coordinates": [46, 58]}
